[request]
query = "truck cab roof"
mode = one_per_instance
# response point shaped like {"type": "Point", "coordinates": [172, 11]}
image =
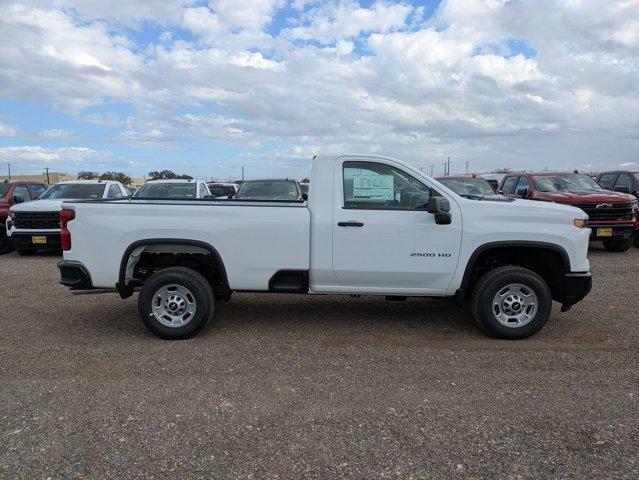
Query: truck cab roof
{"type": "Point", "coordinates": [176, 180]}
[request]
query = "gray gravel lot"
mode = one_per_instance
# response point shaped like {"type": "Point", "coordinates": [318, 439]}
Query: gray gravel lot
{"type": "Point", "coordinates": [315, 387]}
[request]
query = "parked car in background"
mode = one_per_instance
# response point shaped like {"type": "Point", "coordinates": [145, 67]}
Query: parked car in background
{"type": "Point", "coordinates": [468, 185]}
{"type": "Point", "coordinates": [270, 189]}
{"type": "Point", "coordinates": [130, 190]}
{"type": "Point", "coordinates": [612, 216]}
{"type": "Point", "coordinates": [623, 181]}
{"type": "Point", "coordinates": [174, 189]}
{"type": "Point", "coordinates": [35, 225]}
{"type": "Point", "coordinates": [223, 190]}
{"type": "Point", "coordinates": [493, 179]}
{"type": "Point", "coordinates": [13, 193]}
{"type": "Point", "coordinates": [373, 225]}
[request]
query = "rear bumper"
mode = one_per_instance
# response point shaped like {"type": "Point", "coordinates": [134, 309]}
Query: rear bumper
{"type": "Point", "coordinates": [74, 275]}
{"type": "Point", "coordinates": [24, 241]}
{"type": "Point", "coordinates": [575, 287]}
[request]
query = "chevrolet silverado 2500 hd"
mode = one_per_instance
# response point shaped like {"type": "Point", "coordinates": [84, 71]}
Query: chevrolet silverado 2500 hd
{"type": "Point", "coordinates": [372, 225]}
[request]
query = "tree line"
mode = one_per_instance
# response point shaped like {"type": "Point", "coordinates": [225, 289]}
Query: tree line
{"type": "Point", "coordinates": [125, 179]}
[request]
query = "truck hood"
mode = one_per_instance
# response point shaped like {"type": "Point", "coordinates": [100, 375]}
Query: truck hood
{"type": "Point", "coordinates": [584, 197]}
{"type": "Point", "coordinates": [38, 206]}
{"type": "Point", "coordinates": [520, 209]}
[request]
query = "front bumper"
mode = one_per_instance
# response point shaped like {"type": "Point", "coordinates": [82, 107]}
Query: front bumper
{"type": "Point", "coordinates": [74, 275]}
{"type": "Point", "coordinates": [619, 231]}
{"type": "Point", "coordinates": [24, 241]}
{"type": "Point", "coordinates": [575, 287]}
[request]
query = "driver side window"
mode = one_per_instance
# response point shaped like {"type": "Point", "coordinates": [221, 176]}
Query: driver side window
{"type": "Point", "coordinates": [378, 186]}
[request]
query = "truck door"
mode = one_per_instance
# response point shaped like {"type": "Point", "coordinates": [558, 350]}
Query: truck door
{"type": "Point", "coordinates": [384, 240]}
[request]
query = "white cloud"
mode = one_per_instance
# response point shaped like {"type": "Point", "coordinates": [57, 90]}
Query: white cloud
{"type": "Point", "coordinates": [344, 20]}
{"type": "Point", "coordinates": [48, 155]}
{"type": "Point", "coordinates": [7, 131]}
{"type": "Point", "coordinates": [54, 133]}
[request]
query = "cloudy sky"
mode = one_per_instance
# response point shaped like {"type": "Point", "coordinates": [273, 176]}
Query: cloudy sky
{"type": "Point", "coordinates": [206, 87]}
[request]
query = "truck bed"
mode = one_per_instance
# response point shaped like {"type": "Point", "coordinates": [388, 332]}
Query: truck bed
{"type": "Point", "coordinates": [255, 238]}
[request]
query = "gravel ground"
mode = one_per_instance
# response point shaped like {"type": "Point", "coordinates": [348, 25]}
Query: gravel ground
{"type": "Point", "coordinates": [315, 387]}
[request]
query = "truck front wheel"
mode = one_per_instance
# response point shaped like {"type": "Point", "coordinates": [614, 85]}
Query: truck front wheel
{"type": "Point", "coordinates": [176, 303]}
{"type": "Point", "coordinates": [618, 245]}
{"type": "Point", "coordinates": [511, 303]}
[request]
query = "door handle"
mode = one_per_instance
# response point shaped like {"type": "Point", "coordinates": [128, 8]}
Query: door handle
{"type": "Point", "coordinates": [350, 223]}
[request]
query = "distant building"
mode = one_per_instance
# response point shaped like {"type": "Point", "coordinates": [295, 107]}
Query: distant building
{"type": "Point", "coordinates": [54, 177]}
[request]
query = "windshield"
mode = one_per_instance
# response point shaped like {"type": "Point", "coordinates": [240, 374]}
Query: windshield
{"type": "Point", "coordinates": [468, 186]}
{"type": "Point", "coordinates": [166, 190]}
{"type": "Point", "coordinates": [268, 190]}
{"type": "Point", "coordinates": [74, 191]}
{"type": "Point", "coordinates": [573, 182]}
{"type": "Point", "coordinates": [4, 188]}
{"type": "Point", "coordinates": [222, 190]}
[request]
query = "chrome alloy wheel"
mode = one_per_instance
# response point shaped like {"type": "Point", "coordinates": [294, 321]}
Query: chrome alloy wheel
{"type": "Point", "coordinates": [173, 306]}
{"type": "Point", "coordinates": [515, 305]}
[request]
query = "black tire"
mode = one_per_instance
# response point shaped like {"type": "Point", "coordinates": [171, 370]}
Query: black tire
{"type": "Point", "coordinates": [618, 245]}
{"type": "Point", "coordinates": [5, 246]}
{"type": "Point", "coordinates": [195, 284]}
{"type": "Point", "coordinates": [497, 280]}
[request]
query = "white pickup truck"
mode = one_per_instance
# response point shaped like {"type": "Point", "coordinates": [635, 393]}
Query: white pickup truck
{"type": "Point", "coordinates": [371, 225]}
{"type": "Point", "coordinates": [35, 226]}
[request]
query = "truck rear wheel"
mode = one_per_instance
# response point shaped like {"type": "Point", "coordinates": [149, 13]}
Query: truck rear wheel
{"type": "Point", "coordinates": [618, 245]}
{"type": "Point", "coordinates": [176, 303]}
{"type": "Point", "coordinates": [511, 303]}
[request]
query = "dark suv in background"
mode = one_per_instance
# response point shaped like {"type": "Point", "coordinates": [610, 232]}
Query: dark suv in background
{"type": "Point", "coordinates": [623, 181]}
{"type": "Point", "coordinates": [12, 193]}
{"type": "Point", "coordinates": [620, 181]}
{"type": "Point", "coordinates": [612, 216]}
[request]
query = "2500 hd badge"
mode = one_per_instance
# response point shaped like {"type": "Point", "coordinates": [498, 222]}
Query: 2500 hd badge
{"type": "Point", "coordinates": [431, 255]}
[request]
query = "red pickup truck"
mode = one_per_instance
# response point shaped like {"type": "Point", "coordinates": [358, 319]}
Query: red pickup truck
{"type": "Point", "coordinates": [612, 216]}
{"type": "Point", "coordinates": [12, 192]}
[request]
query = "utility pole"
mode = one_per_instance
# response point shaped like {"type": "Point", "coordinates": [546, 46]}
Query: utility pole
{"type": "Point", "coordinates": [242, 173]}
{"type": "Point", "coordinates": [448, 166]}
{"type": "Point", "coordinates": [47, 169]}
{"type": "Point", "coordinates": [432, 170]}
{"type": "Point", "coordinates": [467, 166]}
{"type": "Point", "coordinates": [9, 164]}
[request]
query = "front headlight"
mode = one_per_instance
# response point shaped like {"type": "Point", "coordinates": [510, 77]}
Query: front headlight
{"type": "Point", "coordinates": [580, 222]}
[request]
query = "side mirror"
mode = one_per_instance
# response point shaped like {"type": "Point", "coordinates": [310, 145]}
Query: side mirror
{"type": "Point", "coordinates": [304, 196]}
{"type": "Point", "coordinates": [622, 189]}
{"type": "Point", "coordinates": [440, 207]}
{"type": "Point", "coordinates": [18, 199]}
{"type": "Point", "coordinates": [522, 192]}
